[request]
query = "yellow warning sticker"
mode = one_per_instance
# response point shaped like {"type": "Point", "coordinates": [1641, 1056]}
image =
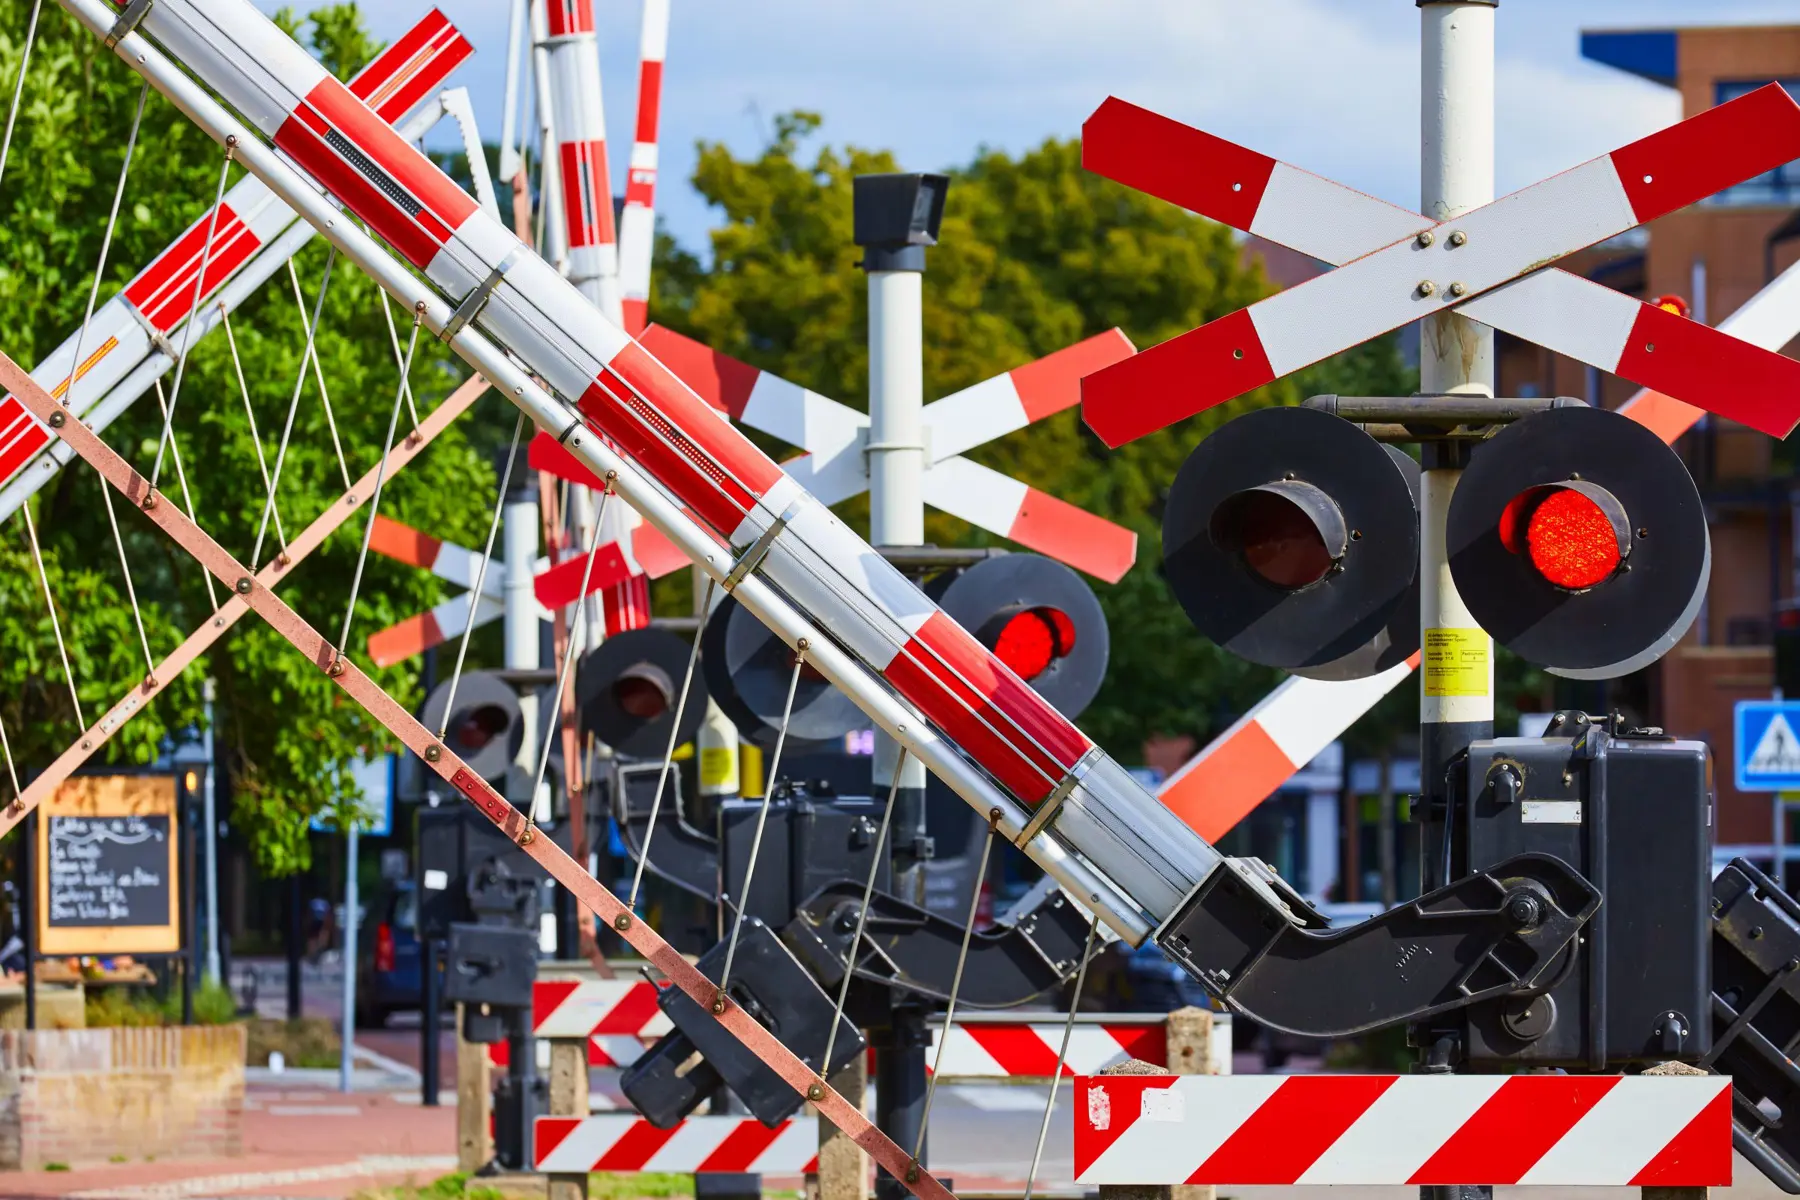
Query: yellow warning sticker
{"type": "Point", "coordinates": [718, 766]}
{"type": "Point", "coordinates": [1456, 662]}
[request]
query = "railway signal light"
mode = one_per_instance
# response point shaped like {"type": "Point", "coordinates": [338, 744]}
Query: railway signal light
{"type": "Point", "coordinates": [628, 689]}
{"type": "Point", "coordinates": [1577, 539]}
{"type": "Point", "coordinates": [486, 728]}
{"type": "Point", "coordinates": [1291, 538]}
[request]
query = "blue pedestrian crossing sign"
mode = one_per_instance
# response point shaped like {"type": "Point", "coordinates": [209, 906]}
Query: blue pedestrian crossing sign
{"type": "Point", "coordinates": [1766, 745]}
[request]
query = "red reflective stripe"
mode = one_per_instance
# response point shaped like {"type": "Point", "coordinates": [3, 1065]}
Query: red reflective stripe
{"type": "Point", "coordinates": [421, 59]}
{"type": "Point", "coordinates": [547, 1133]}
{"type": "Point", "coordinates": [561, 584]}
{"type": "Point", "coordinates": [164, 291]}
{"type": "Point", "coordinates": [1228, 779]}
{"type": "Point", "coordinates": [547, 996]}
{"type": "Point", "coordinates": [999, 721]}
{"type": "Point", "coordinates": [650, 72]}
{"type": "Point", "coordinates": [1506, 1136]}
{"type": "Point", "coordinates": [586, 198]}
{"type": "Point", "coordinates": [1292, 1128]}
{"type": "Point", "coordinates": [30, 439]}
{"type": "Point", "coordinates": [403, 639]}
{"type": "Point", "coordinates": [627, 606]}
{"type": "Point", "coordinates": [742, 1147]}
{"type": "Point", "coordinates": [418, 235]}
{"type": "Point", "coordinates": [1714, 370]}
{"type": "Point", "coordinates": [1125, 1095]}
{"type": "Point", "coordinates": [403, 543]}
{"type": "Point", "coordinates": [1698, 1156]}
{"type": "Point", "coordinates": [637, 314]}
{"type": "Point", "coordinates": [1150, 1043]}
{"type": "Point", "coordinates": [660, 422]}
{"type": "Point", "coordinates": [634, 1149]}
{"type": "Point", "coordinates": [1019, 1049]}
{"type": "Point", "coordinates": [570, 16]}
{"type": "Point", "coordinates": [1158, 386]}
{"type": "Point", "coordinates": [1073, 535]}
{"type": "Point", "coordinates": [656, 555]}
{"type": "Point", "coordinates": [1176, 162]}
{"type": "Point", "coordinates": [631, 1013]}
{"type": "Point", "coordinates": [1708, 152]}
{"type": "Point", "coordinates": [545, 453]}
{"type": "Point", "coordinates": [1053, 382]}
{"type": "Point", "coordinates": [721, 380]}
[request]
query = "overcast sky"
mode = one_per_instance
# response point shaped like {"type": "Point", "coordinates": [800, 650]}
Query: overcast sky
{"type": "Point", "coordinates": [1324, 84]}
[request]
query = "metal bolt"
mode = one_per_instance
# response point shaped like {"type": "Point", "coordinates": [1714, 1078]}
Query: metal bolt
{"type": "Point", "coordinates": [1649, 347]}
{"type": "Point", "coordinates": [815, 1092]}
{"type": "Point", "coordinates": [527, 835]}
{"type": "Point", "coordinates": [718, 1004]}
{"type": "Point", "coordinates": [336, 668]}
{"type": "Point", "coordinates": [230, 140]}
{"type": "Point", "coordinates": [1756, 932]}
{"type": "Point", "coordinates": [1426, 287]}
{"type": "Point", "coordinates": [433, 753]}
{"type": "Point", "coordinates": [800, 644]}
{"type": "Point", "coordinates": [1238, 353]}
{"type": "Point", "coordinates": [912, 1173]}
{"type": "Point", "coordinates": [149, 500]}
{"type": "Point", "coordinates": [622, 922]}
{"type": "Point", "coordinates": [1356, 535]}
{"type": "Point", "coordinates": [283, 560]}
{"type": "Point", "coordinates": [87, 745]}
{"type": "Point", "coordinates": [350, 499]}
{"type": "Point", "coordinates": [1523, 911]}
{"type": "Point", "coordinates": [1458, 237]}
{"type": "Point", "coordinates": [1457, 289]}
{"type": "Point", "coordinates": [58, 419]}
{"type": "Point", "coordinates": [1575, 476]}
{"type": "Point", "coordinates": [1426, 238]}
{"type": "Point", "coordinates": [1643, 532]}
{"type": "Point", "coordinates": [243, 586]}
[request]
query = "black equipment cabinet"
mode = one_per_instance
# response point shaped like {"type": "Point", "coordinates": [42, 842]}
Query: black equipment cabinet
{"type": "Point", "coordinates": [1632, 812]}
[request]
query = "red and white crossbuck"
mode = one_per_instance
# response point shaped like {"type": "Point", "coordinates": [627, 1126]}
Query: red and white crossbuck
{"type": "Point", "coordinates": [1490, 264]}
{"type": "Point", "coordinates": [577, 1145]}
{"type": "Point", "coordinates": [1589, 1130]}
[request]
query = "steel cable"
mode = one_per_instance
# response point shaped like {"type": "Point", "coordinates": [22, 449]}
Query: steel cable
{"type": "Point", "coordinates": [1062, 1054]}
{"type": "Point", "coordinates": [287, 431]}
{"type": "Point", "coordinates": [662, 777]}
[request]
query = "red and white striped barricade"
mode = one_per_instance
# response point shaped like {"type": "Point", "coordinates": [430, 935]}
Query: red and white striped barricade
{"type": "Point", "coordinates": [1022, 1047]}
{"type": "Point", "coordinates": [619, 1019]}
{"type": "Point", "coordinates": [1570, 1130]}
{"type": "Point", "coordinates": [700, 1145]}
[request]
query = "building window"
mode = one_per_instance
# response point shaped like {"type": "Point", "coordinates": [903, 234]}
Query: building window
{"type": "Point", "coordinates": [1780, 187]}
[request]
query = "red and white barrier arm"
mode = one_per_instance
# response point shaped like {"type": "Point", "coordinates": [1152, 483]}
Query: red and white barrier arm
{"type": "Point", "coordinates": [136, 335]}
{"type": "Point", "coordinates": [1498, 251]}
{"type": "Point", "coordinates": [272, 575]}
{"type": "Point", "coordinates": [516, 825]}
{"type": "Point", "coordinates": [835, 466]}
{"type": "Point", "coordinates": [1588, 1130]}
{"type": "Point", "coordinates": [580, 125]}
{"type": "Point", "coordinates": [991, 718]}
{"type": "Point", "coordinates": [637, 222]}
{"type": "Point", "coordinates": [627, 1142]}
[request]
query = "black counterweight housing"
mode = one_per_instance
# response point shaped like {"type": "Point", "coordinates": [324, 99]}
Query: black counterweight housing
{"type": "Point", "coordinates": [1632, 812]}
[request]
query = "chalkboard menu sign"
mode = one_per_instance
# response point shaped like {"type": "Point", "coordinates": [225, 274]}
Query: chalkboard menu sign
{"type": "Point", "coordinates": [107, 868]}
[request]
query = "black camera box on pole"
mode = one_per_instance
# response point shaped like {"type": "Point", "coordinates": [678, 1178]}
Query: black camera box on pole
{"type": "Point", "coordinates": [1633, 813]}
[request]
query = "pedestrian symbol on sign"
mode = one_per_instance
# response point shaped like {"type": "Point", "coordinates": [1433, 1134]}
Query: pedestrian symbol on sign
{"type": "Point", "coordinates": [1777, 751]}
{"type": "Point", "coordinates": [1767, 748]}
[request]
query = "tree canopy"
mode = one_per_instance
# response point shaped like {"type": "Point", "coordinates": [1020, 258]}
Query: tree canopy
{"type": "Point", "coordinates": [287, 733]}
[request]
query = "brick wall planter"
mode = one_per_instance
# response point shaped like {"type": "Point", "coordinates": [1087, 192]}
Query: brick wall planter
{"type": "Point", "coordinates": [89, 1095]}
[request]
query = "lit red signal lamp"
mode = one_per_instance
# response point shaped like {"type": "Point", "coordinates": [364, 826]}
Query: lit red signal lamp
{"type": "Point", "coordinates": [1576, 535]}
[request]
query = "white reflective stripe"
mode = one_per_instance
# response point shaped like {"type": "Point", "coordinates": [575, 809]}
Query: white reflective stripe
{"type": "Point", "coordinates": [799, 417]}
{"type": "Point", "coordinates": [452, 616]}
{"type": "Point", "coordinates": [583, 1009]}
{"type": "Point", "coordinates": [963, 1057]}
{"type": "Point", "coordinates": [653, 42]}
{"type": "Point", "coordinates": [832, 478]}
{"type": "Point", "coordinates": [1771, 318]}
{"type": "Point", "coordinates": [966, 419]}
{"type": "Point", "coordinates": [1327, 220]}
{"type": "Point", "coordinates": [1381, 291]}
{"type": "Point", "coordinates": [575, 76]}
{"type": "Point", "coordinates": [1400, 1132]}
{"type": "Point", "coordinates": [637, 239]}
{"type": "Point", "coordinates": [689, 1146]}
{"type": "Point", "coordinates": [977, 494]}
{"type": "Point", "coordinates": [622, 1049]}
{"type": "Point", "coordinates": [1630, 1125]}
{"type": "Point", "coordinates": [585, 1145]}
{"type": "Point", "coordinates": [1173, 1150]}
{"type": "Point", "coordinates": [237, 41]}
{"type": "Point", "coordinates": [1091, 1047]}
{"type": "Point", "coordinates": [1303, 716]}
{"type": "Point", "coordinates": [643, 156]}
{"type": "Point", "coordinates": [1563, 313]}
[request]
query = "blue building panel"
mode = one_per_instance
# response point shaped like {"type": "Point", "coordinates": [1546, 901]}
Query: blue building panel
{"type": "Point", "coordinates": [1649, 53]}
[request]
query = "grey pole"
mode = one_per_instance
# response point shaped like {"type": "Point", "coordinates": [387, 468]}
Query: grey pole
{"type": "Point", "coordinates": [209, 693]}
{"type": "Point", "coordinates": [346, 1050]}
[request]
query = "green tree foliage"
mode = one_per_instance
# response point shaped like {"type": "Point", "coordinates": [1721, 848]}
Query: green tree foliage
{"type": "Point", "coordinates": [288, 734]}
{"type": "Point", "coordinates": [1034, 253]}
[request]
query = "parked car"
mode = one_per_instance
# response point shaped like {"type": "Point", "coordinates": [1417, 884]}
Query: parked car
{"type": "Point", "coordinates": [389, 978]}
